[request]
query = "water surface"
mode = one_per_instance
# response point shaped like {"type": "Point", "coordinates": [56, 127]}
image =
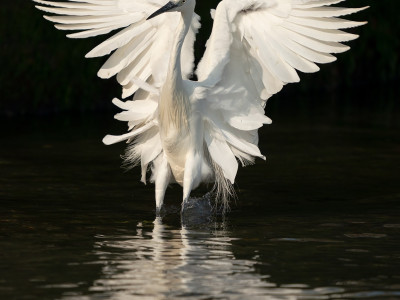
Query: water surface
{"type": "Point", "coordinates": [318, 220]}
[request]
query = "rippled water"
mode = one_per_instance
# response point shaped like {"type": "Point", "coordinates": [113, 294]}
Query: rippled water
{"type": "Point", "coordinates": [319, 220]}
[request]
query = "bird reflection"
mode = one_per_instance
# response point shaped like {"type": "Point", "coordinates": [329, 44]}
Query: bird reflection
{"type": "Point", "coordinates": [164, 262]}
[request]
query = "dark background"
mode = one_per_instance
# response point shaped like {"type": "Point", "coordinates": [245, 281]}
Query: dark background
{"type": "Point", "coordinates": [331, 174]}
{"type": "Point", "coordinates": [45, 73]}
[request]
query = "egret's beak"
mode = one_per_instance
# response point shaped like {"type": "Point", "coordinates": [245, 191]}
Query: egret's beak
{"type": "Point", "coordinates": [163, 9]}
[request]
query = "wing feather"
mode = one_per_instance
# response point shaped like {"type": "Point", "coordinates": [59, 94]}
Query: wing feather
{"type": "Point", "coordinates": [222, 155]}
{"type": "Point", "coordinates": [120, 39]}
{"type": "Point", "coordinates": [136, 65]}
{"type": "Point", "coordinates": [324, 12]}
{"type": "Point", "coordinates": [324, 23]}
{"type": "Point", "coordinates": [322, 34]}
{"type": "Point", "coordinates": [316, 3]}
{"type": "Point", "coordinates": [123, 56]}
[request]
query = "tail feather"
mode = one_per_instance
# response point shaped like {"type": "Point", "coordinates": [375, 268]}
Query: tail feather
{"type": "Point", "coordinates": [223, 188]}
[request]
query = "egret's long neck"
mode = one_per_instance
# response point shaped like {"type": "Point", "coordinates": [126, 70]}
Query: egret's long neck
{"type": "Point", "coordinates": [174, 68]}
{"type": "Point", "coordinates": [174, 103]}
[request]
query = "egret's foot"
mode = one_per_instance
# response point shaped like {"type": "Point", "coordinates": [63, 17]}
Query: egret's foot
{"type": "Point", "coordinates": [197, 211]}
{"type": "Point", "coordinates": [162, 211]}
{"type": "Point", "coordinates": [158, 212]}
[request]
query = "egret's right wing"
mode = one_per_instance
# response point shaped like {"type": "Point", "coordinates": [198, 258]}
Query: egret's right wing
{"type": "Point", "coordinates": [141, 52]}
{"type": "Point", "coordinates": [255, 48]}
{"type": "Point", "coordinates": [141, 47]}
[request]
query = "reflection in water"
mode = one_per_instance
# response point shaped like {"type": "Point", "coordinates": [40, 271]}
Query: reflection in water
{"type": "Point", "coordinates": [163, 262]}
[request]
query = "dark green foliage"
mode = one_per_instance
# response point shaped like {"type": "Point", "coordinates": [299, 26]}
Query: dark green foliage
{"type": "Point", "coordinates": [43, 71]}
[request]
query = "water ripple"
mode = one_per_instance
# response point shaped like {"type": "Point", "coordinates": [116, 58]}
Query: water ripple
{"type": "Point", "coordinates": [166, 263]}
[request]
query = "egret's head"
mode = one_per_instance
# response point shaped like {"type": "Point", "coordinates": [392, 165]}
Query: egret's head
{"type": "Point", "coordinates": [172, 5]}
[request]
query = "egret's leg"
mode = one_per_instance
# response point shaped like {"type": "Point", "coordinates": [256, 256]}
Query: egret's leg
{"type": "Point", "coordinates": [187, 179]}
{"type": "Point", "coordinates": [187, 188]}
{"type": "Point", "coordinates": [192, 176]}
{"type": "Point", "coordinates": [162, 180]}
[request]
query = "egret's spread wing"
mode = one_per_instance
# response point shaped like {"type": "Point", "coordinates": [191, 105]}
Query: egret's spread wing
{"type": "Point", "coordinates": [256, 47]}
{"type": "Point", "coordinates": [141, 47]}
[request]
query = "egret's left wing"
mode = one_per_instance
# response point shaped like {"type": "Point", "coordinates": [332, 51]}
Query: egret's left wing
{"type": "Point", "coordinates": [255, 48]}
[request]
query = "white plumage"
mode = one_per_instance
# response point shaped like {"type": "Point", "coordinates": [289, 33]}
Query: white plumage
{"type": "Point", "coordinates": [196, 131]}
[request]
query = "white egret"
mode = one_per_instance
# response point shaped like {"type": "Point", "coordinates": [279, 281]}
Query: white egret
{"type": "Point", "coordinates": [197, 131]}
